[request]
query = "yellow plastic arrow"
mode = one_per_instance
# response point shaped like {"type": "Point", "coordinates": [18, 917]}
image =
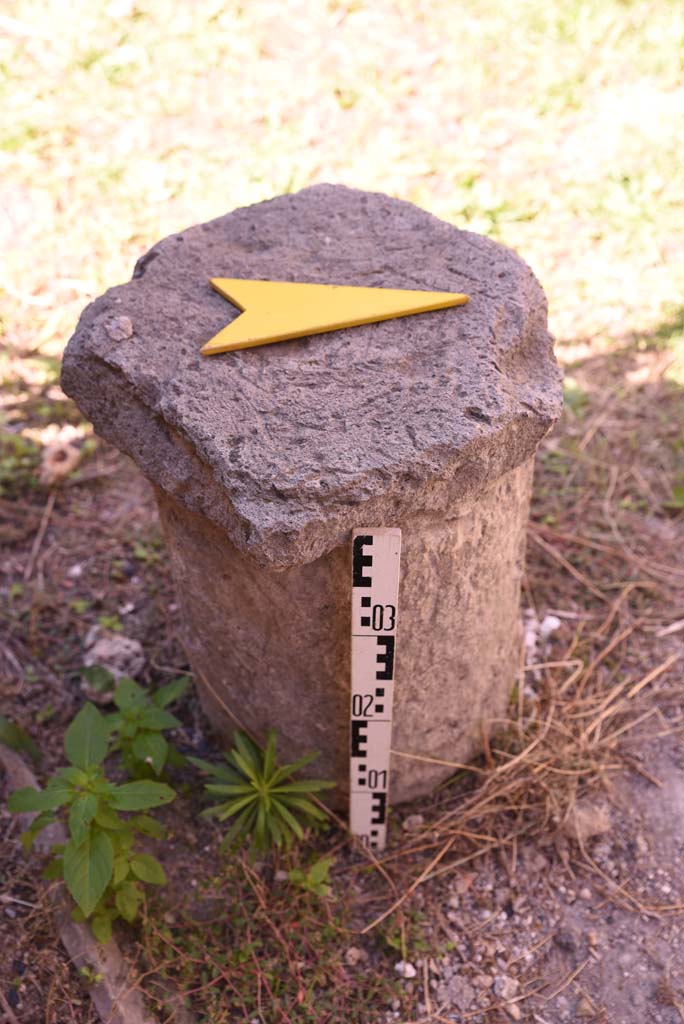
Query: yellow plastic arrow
{"type": "Point", "coordinates": [279, 310]}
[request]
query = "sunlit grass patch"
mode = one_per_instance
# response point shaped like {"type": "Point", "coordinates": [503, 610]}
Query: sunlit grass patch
{"type": "Point", "coordinates": [552, 127]}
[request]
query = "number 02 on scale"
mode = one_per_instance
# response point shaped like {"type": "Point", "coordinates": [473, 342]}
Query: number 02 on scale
{"type": "Point", "coordinates": [375, 591]}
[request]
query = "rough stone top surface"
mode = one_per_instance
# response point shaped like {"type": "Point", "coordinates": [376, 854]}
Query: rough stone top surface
{"type": "Point", "coordinates": [288, 446]}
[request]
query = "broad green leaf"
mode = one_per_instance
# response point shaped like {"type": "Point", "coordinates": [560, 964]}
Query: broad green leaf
{"type": "Point", "coordinates": [81, 813]}
{"type": "Point", "coordinates": [148, 826]}
{"type": "Point", "coordinates": [87, 738]}
{"type": "Point", "coordinates": [128, 696]}
{"type": "Point", "coordinates": [114, 721]}
{"type": "Point", "coordinates": [16, 738]}
{"type": "Point", "coordinates": [30, 799]}
{"type": "Point", "coordinates": [120, 870]}
{"type": "Point", "coordinates": [152, 748]}
{"type": "Point", "coordinates": [102, 786]}
{"type": "Point", "coordinates": [148, 869]}
{"type": "Point", "coordinates": [73, 776]}
{"type": "Point", "coordinates": [157, 719]}
{"type": "Point", "coordinates": [171, 692]}
{"type": "Point", "coordinates": [124, 840]}
{"type": "Point", "coordinates": [137, 796]}
{"type": "Point", "coordinates": [101, 926]}
{"type": "Point", "coordinates": [127, 901]}
{"type": "Point", "coordinates": [106, 818]}
{"type": "Point", "coordinates": [99, 678]}
{"type": "Point", "coordinates": [88, 869]}
{"type": "Point", "coordinates": [318, 872]}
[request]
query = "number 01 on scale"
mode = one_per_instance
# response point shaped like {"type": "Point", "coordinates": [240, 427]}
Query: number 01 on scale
{"type": "Point", "coordinates": [375, 591]}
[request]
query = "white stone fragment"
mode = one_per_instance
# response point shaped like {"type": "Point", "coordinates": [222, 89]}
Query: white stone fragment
{"type": "Point", "coordinates": [405, 969]}
{"type": "Point", "coordinates": [120, 655]}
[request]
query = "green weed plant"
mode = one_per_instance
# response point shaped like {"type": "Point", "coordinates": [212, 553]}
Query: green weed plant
{"type": "Point", "coordinates": [103, 871]}
{"type": "Point", "coordinates": [316, 879]}
{"type": "Point", "coordinates": [137, 726]}
{"type": "Point", "coordinates": [268, 806]}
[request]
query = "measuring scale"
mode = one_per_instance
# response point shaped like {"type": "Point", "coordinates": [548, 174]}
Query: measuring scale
{"type": "Point", "coordinates": [375, 591]}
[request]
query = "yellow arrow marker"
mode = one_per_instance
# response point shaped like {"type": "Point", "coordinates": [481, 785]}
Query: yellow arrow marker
{"type": "Point", "coordinates": [279, 310]}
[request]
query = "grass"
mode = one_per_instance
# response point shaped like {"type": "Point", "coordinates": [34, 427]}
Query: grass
{"type": "Point", "coordinates": [551, 126]}
{"type": "Point", "coordinates": [253, 949]}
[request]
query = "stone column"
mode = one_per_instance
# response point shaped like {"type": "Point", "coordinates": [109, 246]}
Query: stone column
{"type": "Point", "coordinates": [264, 460]}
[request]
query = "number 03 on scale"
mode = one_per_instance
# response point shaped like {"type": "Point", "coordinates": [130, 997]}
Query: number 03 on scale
{"type": "Point", "coordinates": [375, 591]}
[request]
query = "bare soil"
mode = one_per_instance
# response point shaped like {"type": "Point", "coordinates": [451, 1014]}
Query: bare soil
{"type": "Point", "coordinates": [527, 915]}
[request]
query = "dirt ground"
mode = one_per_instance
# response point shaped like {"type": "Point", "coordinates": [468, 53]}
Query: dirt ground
{"type": "Point", "coordinates": [563, 901]}
{"type": "Point", "coordinates": [545, 884]}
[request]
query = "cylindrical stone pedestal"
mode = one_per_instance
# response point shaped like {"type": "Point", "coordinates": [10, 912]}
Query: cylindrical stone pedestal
{"type": "Point", "coordinates": [264, 460]}
{"type": "Point", "coordinates": [273, 647]}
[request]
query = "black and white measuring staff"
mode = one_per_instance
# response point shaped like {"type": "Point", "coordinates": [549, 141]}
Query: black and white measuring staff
{"type": "Point", "coordinates": [375, 590]}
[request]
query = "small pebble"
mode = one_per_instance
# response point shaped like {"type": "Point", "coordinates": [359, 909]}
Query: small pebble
{"type": "Point", "coordinates": [585, 1008]}
{"type": "Point", "coordinates": [565, 939]}
{"type": "Point", "coordinates": [506, 987]}
{"type": "Point", "coordinates": [354, 956]}
{"type": "Point", "coordinates": [119, 328]}
{"type": "Point", "coordinates": [405, 969]}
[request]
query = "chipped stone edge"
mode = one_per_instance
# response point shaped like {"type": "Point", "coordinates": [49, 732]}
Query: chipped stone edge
{"type": "Point", "coordinates": [449, 491]}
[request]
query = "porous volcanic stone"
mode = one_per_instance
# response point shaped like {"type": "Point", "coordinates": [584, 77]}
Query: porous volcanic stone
{"type": "Point", "coordinates": [263, 461]}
